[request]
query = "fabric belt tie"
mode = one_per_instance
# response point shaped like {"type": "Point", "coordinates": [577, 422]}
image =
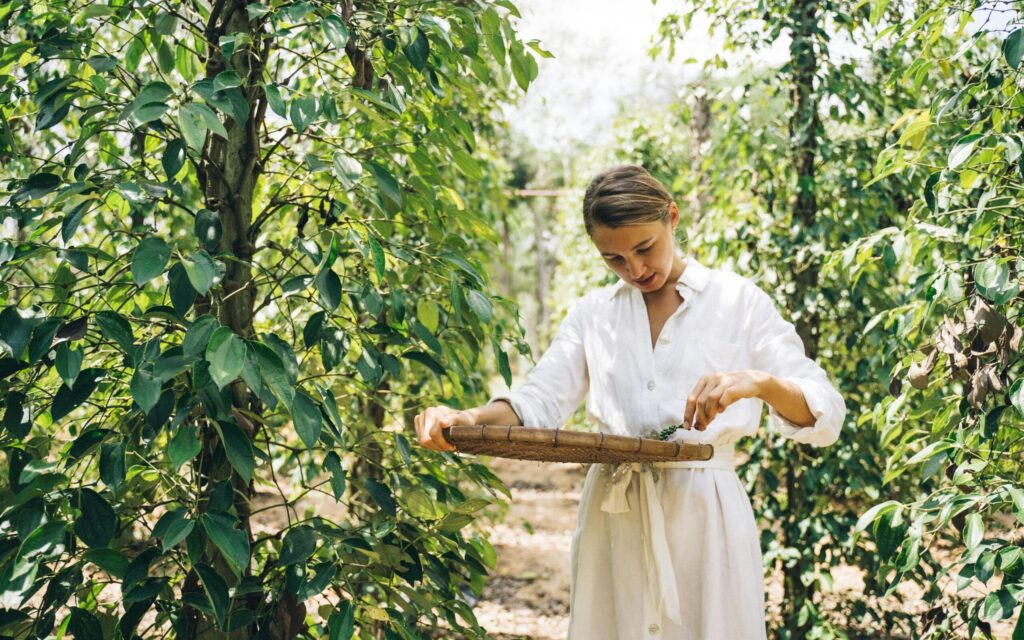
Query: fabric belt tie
{"type": "Point", "coordinates": [661, 582]}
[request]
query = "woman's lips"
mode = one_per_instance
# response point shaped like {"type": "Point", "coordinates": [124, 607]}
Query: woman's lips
{"type": "Point", "coordinates": [646, 280]}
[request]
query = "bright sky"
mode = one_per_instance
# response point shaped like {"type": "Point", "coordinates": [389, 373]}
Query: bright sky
{"type": "Point", "coordinates": [601, 58]}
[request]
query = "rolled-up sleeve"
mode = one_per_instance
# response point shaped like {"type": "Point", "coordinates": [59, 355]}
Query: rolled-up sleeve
{"type": "Point", "coordinates": [776, 347]}
{"type": "Point", "coordinates": [556, 386]}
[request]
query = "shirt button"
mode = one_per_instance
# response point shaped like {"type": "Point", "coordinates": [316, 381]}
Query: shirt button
{"type": "Point", "coordinates": [653, 628]}
{"type": "Point", "coordinates": [650, 385]}
{"type": "Point", "coordinates": [663, 340]}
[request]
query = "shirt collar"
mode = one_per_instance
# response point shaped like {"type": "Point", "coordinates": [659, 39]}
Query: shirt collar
{"type": "Point", "coordinates": [694, 277]}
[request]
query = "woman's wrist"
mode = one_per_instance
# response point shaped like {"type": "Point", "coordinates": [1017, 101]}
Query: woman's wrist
{"type": "Point", "coordinates": [765, 383]}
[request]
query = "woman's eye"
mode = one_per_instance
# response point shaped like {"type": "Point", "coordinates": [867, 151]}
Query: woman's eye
{"type": "Point", "coordinates": [644, 250]}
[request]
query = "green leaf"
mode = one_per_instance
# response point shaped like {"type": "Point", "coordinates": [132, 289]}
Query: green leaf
{"type": "Point", "coordinates": [417, 49]}
{"type": "Point", "coordinates": [974, 530]}
{"type": "Point", "coordinates": [386, 184]}
{"type": "Point", "coordinates": [274, 372]}
{"type": "Point", "coordinates": [184, 446]}
{"type": "Point", "coordinates": [1018, 629]}
{"type": "Point", "coordinates": [503, 364]}
{"type": "Point", "coordinates": [993, 280]}
{"type": "Point", "coordinates": [97, 523]}
{"type": "Point", "coordinates": [238, 449]}
{"type": "Point", "coordinates": [875, 512]}
{"type": "Point", "coordinates": [145, 388]}
{"type": "Point", "coordinates": [193, 125]}
{"type": "Point", "coordinates": [150, 111]}
{"type": "Point", "coordinates": [174, 158]}
{"type": "Point", "coordinates": [303, 112]}
{"type": "Point", "coordinates": [1013, 48]}
{"type": "Point", "coordinates": [378, 257]}
{"type": "Point", "coordinates": [153, 92]}
{"type": "Point", "coordinates": [67, 400]}
{"type": "Point", "coordinates": [102, 64]}
{"type": "Point", "coordinates": [427, 337]}
{"type": "Point", "coordinates": [998, 605]}
{"type": "Point", "coordinates": [428, 313]}
{"type": "Point", "coordinates": [233, 544]}
{"type": "Point", "coordinates": [275, 100]}
{"type": "Point", "coordinates": [198, 335]}
{"type": "Point", "coordinates": [71, 221]}
{"type": "Point", "coordinates": [216, 592]}
{"type": "Point", "coordinates": [520, 66]}
{"type": "Point", "coordinates": [332, 464]}
{"type": "Point", "coordinates": [299, 544]}
{"type": "Point", "coordinates": [347, 169]}
{"type": "Point", "coordinates": [47, 540]}
{"type": "Point", "coordinates": [109, 560]}
{"type": "Point", "coordinates": [328, 285]}
{"type": "Point", "coordinates": [307, 418]}
{"type": "Point", "coordinates": [381, 494]}
{"type": "Point", "coordinates": [962, 150]}
{"type": "Point", "coordinates": [112, 464]}
{"type": "Point", "coordinates": [452, 522]}
{"type": "Point", "coordinates": [226, 80]}
{"type": "Point", "coordinates": [83, 625]}
{"type": "Point", "coordinates": [226, 354]}
{"type": "Point", "coordinates": [116, 327]}
{"type": "Point", "coordinates": [314, 326]}
{"type": "Point", "coordinates": [36, 186]}
{"type": "Point", "coordinates": [16, 326]}
{"type": "Point", "coordinates": [69, 363]}
{"type": "Point", "coordinates": [336, 31]}
{"type": "Point", "coordinates": [183, 294]}
{"type": "Point", "coordinates": [149, 259]}
{"type": "Point", "coordinates": [208, 229]}
{"type": "Point", "coordinates": [173, 527]}
{"type": "Point", "coordinates": [425, 359]}
{"type": "Point", "coordinates": [490, 23]}
{"type": "Point", "coordinates": [341, 624]}
{"type": "Point", "coordinates": [481, 306]}
{"type": "Point", "coordinates": [202, 272]}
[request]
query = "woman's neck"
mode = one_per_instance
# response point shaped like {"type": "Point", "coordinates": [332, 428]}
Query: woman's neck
{"type": "Point", "coordinates": [678, 266]}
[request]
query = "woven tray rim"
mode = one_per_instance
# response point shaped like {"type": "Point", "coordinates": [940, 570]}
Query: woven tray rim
{"type": "Point", "coordinates": [538, 443]}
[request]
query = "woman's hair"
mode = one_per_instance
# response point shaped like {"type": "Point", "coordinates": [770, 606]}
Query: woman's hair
{"type": "Point", "coordinates": [625, 195]}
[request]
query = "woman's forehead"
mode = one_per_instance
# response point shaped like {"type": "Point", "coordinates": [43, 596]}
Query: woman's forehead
{"type": "Point", "coordinates": [626, 238]}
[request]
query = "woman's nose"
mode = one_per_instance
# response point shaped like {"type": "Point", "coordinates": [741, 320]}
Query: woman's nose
{"type": "Point", "coordinates": [634, 268]}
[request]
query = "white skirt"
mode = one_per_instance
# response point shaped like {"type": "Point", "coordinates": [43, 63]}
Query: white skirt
{"type": "Point", "coordinates": [666, 551]}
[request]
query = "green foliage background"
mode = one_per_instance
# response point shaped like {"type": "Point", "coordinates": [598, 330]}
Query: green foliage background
{"type": "Point", "coordinates": [244, 243]}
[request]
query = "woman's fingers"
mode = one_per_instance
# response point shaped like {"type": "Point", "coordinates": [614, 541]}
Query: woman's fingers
{"type": "Point", "coordinates": [442, 418]}
{"type": "Point", "coordinates": [691, 414]}
{"type": "Point", "coordinates": [713, 401]}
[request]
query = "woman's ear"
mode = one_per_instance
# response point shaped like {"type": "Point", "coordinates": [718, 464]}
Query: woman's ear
{"type": "Point", "coordinates": [673, 214]}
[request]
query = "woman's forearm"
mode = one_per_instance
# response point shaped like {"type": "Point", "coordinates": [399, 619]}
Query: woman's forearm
{"type": "Point", "coordinates": [497, 412]}
{"type": "Point", "coordinates": [786, 398]}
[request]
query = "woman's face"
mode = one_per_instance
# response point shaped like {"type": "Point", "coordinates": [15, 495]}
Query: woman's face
{"type": "Point", "coordinates": [641, 254]}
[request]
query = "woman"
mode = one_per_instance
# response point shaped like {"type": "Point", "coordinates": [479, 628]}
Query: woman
{"type": "Point", "coordinates": [669, 550]}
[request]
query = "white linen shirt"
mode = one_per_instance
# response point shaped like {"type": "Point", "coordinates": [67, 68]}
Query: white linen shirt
{"type": "Point", "coordinates": [725, 323]}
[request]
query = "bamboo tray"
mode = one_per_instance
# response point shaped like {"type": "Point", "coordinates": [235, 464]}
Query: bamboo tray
{"type": "Point", "coordinates": [558, 445]}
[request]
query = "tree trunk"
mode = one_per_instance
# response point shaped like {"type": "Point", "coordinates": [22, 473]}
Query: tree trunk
{"type": "Point", "coordinates": [700, 131]}
{"type": "Point", "coordinates": [804, 129]}
{"type": "Point", "coordinates": [228, 173]}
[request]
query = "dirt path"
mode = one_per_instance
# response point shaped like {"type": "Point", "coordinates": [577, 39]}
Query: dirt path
{"type": "Point", "coordinates": [528, 593]}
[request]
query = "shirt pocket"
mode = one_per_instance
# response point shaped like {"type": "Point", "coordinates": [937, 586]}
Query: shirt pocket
{"type": "Point", "coordinates": [711, 355]}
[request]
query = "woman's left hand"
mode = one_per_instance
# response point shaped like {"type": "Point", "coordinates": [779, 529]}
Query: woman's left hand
{"type": "Point", "coordinates": [714, 392]}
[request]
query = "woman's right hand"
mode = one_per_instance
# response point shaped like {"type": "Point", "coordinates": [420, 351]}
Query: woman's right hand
{"type": "Point", "coordinates": [432, 420]}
